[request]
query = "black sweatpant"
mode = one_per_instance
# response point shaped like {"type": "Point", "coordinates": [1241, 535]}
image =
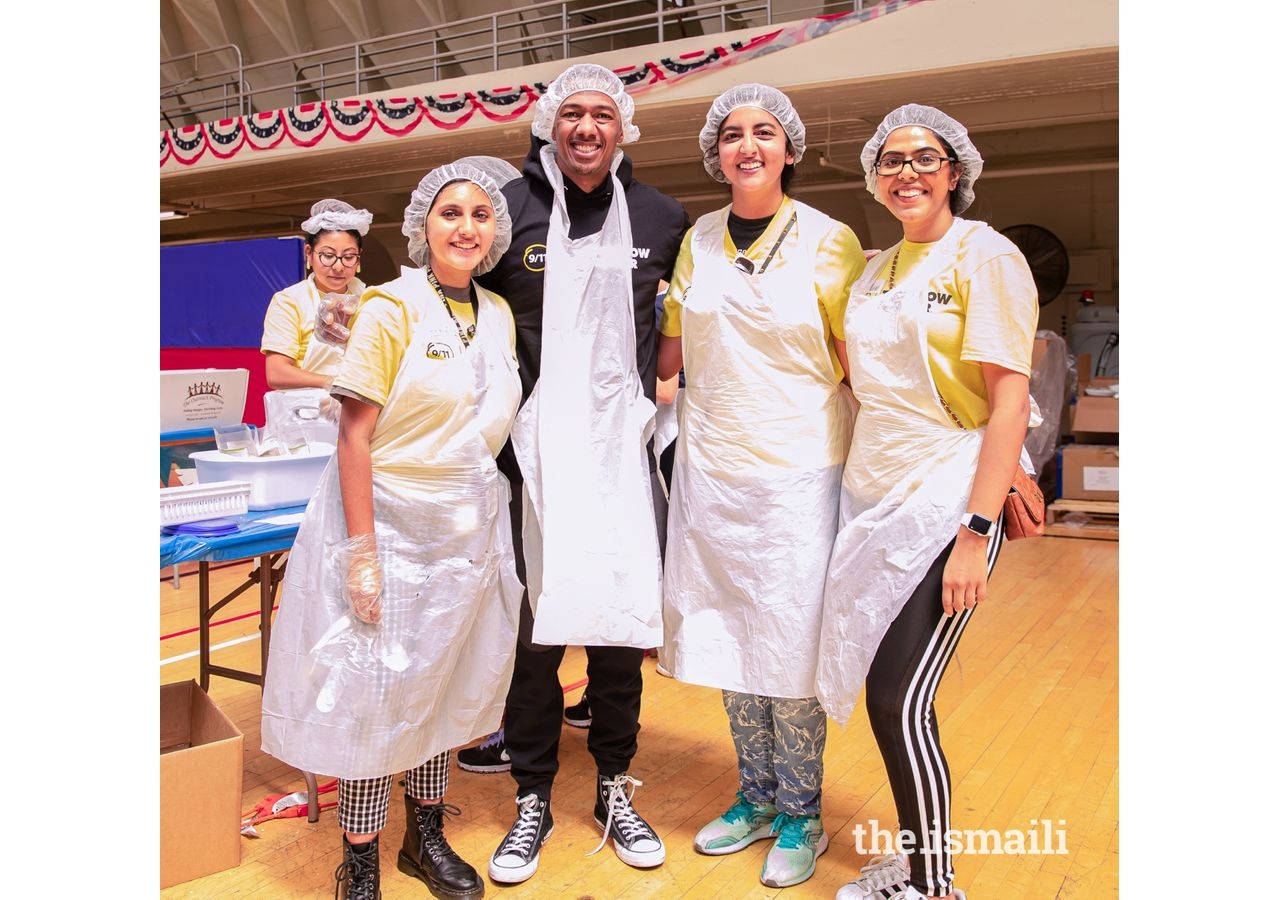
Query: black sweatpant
{"type": "Point", "coordinates": [535, 700]}
{"type": "Point", "coordinates": [901, 685]}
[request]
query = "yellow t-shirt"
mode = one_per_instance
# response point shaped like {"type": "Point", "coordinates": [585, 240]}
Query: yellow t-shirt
{"type": "Point", "coordinates": [290, 321]}
{"type": "Point", "coordinates": [981, 308]}
{"type": "Point", "coordinates": [840, 261]}
{"type": "Point", "coordinates": [379, 340]}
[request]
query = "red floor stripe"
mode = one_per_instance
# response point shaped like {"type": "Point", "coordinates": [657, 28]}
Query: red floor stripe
{"type": "Point", "coordinates": [165, 637]}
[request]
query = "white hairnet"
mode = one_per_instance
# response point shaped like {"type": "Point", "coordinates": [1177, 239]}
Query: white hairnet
{"type": "Point", "coordinates": [486, 172]}
{"type": "Point", "coordinates": [499, 170]}
{"type": "Point", "coordinates": [335, 215]}
{"type": "Point", "coordinates": [944, 127]}
{"type": "Point", "coordinates": [761, 96]}
{"type": "Point", "coordinates": [575, 80]}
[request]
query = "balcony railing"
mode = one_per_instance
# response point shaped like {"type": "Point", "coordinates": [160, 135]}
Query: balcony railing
{"type": "Point", "coordinates": [217, 83]}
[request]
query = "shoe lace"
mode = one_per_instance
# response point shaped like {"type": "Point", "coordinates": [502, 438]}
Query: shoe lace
{"type": "Point", "coordinates": [884, 871]}
{"type": "Point", "coordinates": [742, 810]}
{"type": "Point", "coordinates": [617, 800]}
{"type": "Point", "coordinates": [520, 838]}
{"type": "Point", "coordinates": [352, 869]}
{"type": "Point", "coordinates": [790, 831]}
{"type": "Point", "coordinates": [493, 740]}
{"type": "Point", "coordinates": [431, 816]}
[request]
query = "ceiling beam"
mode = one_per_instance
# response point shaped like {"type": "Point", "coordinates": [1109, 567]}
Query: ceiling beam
{"type": "Point", "coordinates": [204, 20]}
{"type": "Point", "coordinates": [288, 22]}
{"type": "Point", "coordinates": [361, 17]}
{"type": "Point", "coordinates": [172, 42]}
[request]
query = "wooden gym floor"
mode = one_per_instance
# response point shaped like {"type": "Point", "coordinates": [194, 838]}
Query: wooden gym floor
{"type": "Point", "coordinates": [1028, 713]}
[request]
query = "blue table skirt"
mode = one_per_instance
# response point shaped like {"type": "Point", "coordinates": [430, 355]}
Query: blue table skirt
{"type": "Point", "coordinates": [254, 538]}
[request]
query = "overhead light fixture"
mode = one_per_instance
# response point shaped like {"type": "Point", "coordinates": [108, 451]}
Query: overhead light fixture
{"type": "Point", "coordinates": [171, 214]}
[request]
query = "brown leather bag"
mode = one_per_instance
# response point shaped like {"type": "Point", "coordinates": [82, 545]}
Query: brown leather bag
{"type": "Point", "coordinates": [1023, 508]}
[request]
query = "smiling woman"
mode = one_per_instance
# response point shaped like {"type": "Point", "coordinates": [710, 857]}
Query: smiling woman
{"type": "Point", "coordinates": [294, 359]}
{"type": "Point", "coordinates": [940, 330]}
{"type": "Point", "coordinates": [753, 315]}
{"type": "Point", "coordinates": [368, 668]}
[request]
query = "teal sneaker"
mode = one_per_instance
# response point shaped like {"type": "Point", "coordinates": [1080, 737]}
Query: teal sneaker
{"type": "Point", "coordinates": [743, 824]}
{"type": "Point", "coordinates": [794, 855]}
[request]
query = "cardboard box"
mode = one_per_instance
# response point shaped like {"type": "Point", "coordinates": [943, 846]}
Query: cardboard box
{"type": "Point", "coordinates": [1096, 415]}
{"type": "Point", "coordinates": [1091, 472]}
{"type": "Point", "coordinates": [1038, 349]}
{"type": "Point", "coordinates": [201, 780]}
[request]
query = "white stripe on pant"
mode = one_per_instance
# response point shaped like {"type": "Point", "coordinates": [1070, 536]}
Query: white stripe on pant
{"type": "Point", "coordinates": [901, 686]}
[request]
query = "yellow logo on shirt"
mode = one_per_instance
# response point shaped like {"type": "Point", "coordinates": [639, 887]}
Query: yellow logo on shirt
{"type": "Point", "coordinates": [535, 257]}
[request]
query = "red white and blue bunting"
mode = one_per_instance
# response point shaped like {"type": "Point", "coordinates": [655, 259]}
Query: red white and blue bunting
{"type": "Point", "coordinates": [333, 122]}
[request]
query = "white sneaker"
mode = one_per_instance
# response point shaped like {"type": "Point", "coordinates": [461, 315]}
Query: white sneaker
{"type": "Point", "coordinates": [881, 873]}
{"type": "Point", "coordinates": [886, 877]}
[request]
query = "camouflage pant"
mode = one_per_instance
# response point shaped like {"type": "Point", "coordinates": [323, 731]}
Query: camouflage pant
{"type": "Point", "coordinates": [779, 743]}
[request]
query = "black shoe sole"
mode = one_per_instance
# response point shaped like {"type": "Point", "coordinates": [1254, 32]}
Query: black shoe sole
{"type": "Point", "coordinates": [405, 863]}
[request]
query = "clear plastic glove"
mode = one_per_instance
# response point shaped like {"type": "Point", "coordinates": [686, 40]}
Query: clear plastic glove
{"type": "Point", "coordinates": [330, 407]}
{"type": "Point", "coordinates": [332, 317]}
{"type": "Point", "coordinates": [363, 585]}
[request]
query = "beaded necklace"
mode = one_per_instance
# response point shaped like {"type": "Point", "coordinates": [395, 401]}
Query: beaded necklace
{"type": "Point", "coordinates": [893, 270]}
{"type": "Point", "coordinates": [464, 335]}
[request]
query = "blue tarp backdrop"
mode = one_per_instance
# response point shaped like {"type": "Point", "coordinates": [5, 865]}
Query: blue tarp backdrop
{"type": "Point", "coordinates": [215, 295]}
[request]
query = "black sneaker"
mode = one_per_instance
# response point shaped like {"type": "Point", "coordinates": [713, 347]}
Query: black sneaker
{"type": "Point", "coordinates": [516, 858]}
{"type": "Point", "coordinates": [633, 840]}
{"type": "Point", "coordinates": [489, 756]}
{"type": "Point", "coordinates": [578, 715]}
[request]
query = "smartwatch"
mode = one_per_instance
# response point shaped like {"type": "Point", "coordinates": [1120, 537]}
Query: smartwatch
{"type": "Point", "coordinates": [978, 524]}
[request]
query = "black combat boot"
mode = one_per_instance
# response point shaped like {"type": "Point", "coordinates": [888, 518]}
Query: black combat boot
{"type": "Point", "coordinates": [358, 873]}
{"type": "Point", "coordinates": [427, 855]}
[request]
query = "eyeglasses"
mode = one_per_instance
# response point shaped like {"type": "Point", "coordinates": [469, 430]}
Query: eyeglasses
{"type": "Point", "coordinates": [924, 164]}
{"type": "Point", "coordinates": [328, 258]}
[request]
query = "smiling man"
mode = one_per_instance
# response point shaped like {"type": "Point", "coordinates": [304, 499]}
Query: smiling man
{"type": "Point", "coordinates": [590, 245]}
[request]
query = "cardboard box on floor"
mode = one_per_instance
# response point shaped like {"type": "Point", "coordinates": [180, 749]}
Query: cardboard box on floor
{"type": "Point", "coordinates": [1095, 420]}
{"type": "Point", "coordinates": [1090, 472]}
{"type": "Point", "coordinates": [201, 778]}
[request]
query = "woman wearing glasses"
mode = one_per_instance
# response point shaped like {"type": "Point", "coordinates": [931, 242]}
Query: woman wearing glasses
{"type": "Point", "coordinates": [294, 357]}
{"type": "Point", "coordinates": [754, 315]}
{"type": "Point", "coordinates": [939, 335]}
{"type": "Point", "coordinates": [397, 626]}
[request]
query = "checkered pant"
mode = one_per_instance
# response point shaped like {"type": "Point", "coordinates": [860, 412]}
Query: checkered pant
{"type": "Point", "coordinates": [363, 804]}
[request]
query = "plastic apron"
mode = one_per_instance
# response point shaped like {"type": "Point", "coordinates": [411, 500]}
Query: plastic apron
{"type": "Point", "coordinates": [764, 431]}
{"type": "Point", "coordinates": [907, 481]}
{"type": "Point", "coordinates": [346, 698]}
{"type": "Point", "coordinates": [590, 535]}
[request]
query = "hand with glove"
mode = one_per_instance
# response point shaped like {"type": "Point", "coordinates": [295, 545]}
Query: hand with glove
{"type": "Point", "coordinates": [332, 316]}
{"type": "Point", "coordinates": [363, 585]}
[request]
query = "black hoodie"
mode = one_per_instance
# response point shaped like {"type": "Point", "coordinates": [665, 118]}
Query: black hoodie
{"type": "Point", "coordinates": [658, 224]}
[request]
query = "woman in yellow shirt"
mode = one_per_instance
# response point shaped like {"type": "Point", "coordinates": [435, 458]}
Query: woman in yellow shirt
{"type": "Point", "coordinates": [294, 357]}
{"type": "Point", "coordinates": [397, 627]}
{"type": "Point", "coordinates": [754, 315]}
{"type": "Point", "coordinates": [939, 332]}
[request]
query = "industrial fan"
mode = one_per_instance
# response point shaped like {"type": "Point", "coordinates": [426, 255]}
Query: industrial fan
{"type": "Point", "coordinates": [1045, 254]}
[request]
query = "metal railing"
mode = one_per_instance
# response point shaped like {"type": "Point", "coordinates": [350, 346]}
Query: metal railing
{"type": "Point", "coordinates": [216, 83]}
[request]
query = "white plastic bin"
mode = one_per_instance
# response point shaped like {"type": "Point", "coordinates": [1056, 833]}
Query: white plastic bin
{"type": "Point", "coordinates": [274, 481]}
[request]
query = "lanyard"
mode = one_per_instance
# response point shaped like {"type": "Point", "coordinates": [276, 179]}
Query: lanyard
{"type": "Point", "coordinates": [746, 266]}
{"type": "Point", "coordinates": [464, 335]}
